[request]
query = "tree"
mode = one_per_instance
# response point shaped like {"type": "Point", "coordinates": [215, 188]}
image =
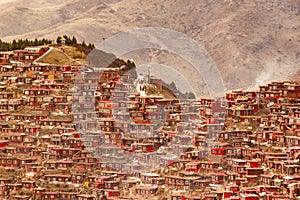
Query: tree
{"type": "Point", "coordinates": [58, 40]}
{"type": "Point", "coordinates": [36, 42]}
{"type": "Point", "coordinates": [130, 64]}
{"type": "Point", "coordinates": [21, 44]}
{"type": "Point", "coordinates": [74, 41]}
{"type": "Point", "coordinates": [44, 41]}
{"type": "Point", "coordinates": [190, 95]}
{"type": "Point", "coordinates": [14, 44]}
{"type": "Point", "coordinates": [91, 46]}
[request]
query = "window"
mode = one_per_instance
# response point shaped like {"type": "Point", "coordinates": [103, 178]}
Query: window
{"type": "Point", "coordinates": [226, 136]}
{"type": "Point", "coordinates": [223, 104]}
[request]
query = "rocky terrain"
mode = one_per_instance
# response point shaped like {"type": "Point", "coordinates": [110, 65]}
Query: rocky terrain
{"type": "Point", "coordinates": [250, 41]}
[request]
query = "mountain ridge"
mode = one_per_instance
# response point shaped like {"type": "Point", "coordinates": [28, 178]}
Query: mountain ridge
{"type": "Point", "coordinates": [250, 41]}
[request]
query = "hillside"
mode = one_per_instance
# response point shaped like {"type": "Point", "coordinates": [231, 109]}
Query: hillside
{"type": "Point", "coordinates": [57, 57]}
{"type": "Point", "coordinates": [250, 41]}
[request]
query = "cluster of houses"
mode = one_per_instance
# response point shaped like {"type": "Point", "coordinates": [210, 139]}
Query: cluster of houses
{"type": "Point", "coordinates": [70, 132]}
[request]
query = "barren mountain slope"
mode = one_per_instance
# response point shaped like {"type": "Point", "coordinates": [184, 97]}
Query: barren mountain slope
{"type": "Point", "coordinates": [251, 41]}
